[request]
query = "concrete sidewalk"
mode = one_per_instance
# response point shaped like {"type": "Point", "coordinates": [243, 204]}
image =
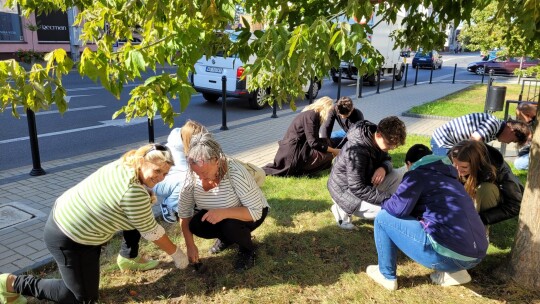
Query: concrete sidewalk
{"type": "Point", "coordinates": [253, 140]}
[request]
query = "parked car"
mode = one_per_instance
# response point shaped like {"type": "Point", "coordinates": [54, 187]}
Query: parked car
{"type": "Point", "coordinates": [208, 74]}
{"type": "Point", "coordinates": [501, 65]}
{"type": "Point", "coordinates": [431, 60]}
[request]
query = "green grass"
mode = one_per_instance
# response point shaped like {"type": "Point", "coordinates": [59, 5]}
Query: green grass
{"type": "Point", "coordinates": [304, 257]}
{"type": "Point", "coordinates": [469, 100]}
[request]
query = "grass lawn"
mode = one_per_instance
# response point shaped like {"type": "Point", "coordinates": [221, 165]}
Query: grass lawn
{"type": "Point", "coordinates": [468, 101]}
{"type": "Point", "coordinates": [304, 257]}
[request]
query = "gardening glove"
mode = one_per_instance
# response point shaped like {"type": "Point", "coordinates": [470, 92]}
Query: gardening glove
{"type": "Point", "coordinates": [180, 259]}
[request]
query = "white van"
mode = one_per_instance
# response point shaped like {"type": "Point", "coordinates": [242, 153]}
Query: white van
{"type": "Point", "coordinates": [207, 79]}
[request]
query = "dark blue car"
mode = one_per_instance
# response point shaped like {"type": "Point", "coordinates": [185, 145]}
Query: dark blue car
{"type": "Point", "coordinates": [430, 60]}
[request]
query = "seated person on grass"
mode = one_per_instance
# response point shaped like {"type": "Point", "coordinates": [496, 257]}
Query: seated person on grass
{"type": "Point", "coordinates": [432, 220]}
{"type": "Point", "coordinates": [346, 115]}
{"type": "Point", "coordinates": [362, 175]}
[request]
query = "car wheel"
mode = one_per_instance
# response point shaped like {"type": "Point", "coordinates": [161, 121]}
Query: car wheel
{"type": "Point", "coordinates": [210, 97]}
{"type": "Point", "coordinates": [258, 101]}
{"type": "Point", "coordinates": [399, 76]}
{"type": "Point", "coordinates": [480, 70]}
{"type": "Point", "coordinates": [440, 66]}
{"type": "Point", "coordinates": [315, 85]}
{"type": "Point", "coordinates": [414, 66]}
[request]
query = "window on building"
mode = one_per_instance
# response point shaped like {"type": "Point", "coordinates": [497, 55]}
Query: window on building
{"type": "Point", "coordinates": [10, 23]}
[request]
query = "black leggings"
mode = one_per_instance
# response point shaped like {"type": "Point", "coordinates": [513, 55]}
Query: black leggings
{"type": "Point", "coordinates": [229, 230]}
{"type": "Point", "coordinates": [78, 264]}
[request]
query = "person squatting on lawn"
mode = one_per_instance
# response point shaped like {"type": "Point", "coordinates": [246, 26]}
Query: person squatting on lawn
{"type": "Point", "coordinates": [362, 175]}
{"type": "Point", "coordinates": [526, 112]}
{"type": "Point", "coordinates": [302, 151]}
{"type": "Point", "coordinates": [346, 115]}
{"type": "Point", "coordinates": [488, 180]}
{"type": "Point", "coordinates": [432, 220]}
{"type": "Point", "coordinates": [220, 200]}
{"type": "Point", "coordinates": [87, 216]}
{"type": "Point", "coordinates": [480, 127]}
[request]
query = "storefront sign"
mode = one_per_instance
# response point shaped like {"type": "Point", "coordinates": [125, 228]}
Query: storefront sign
{"type": "Point", "coordinates": [10, 23]}
{"type": "Point", "coordinates": [53, 27]}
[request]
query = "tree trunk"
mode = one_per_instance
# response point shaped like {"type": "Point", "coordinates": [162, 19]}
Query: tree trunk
{"type": "Point", "coordinates": [525, 256]}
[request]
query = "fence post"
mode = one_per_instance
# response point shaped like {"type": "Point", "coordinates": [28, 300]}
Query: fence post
{"type": "Point", "coordinates": [359, 86]}
{"type": "Point", "coordinates": [224, 103]}
{"type": "Point", "coordinates": [483, 74]}
{"type": "Point", "coordinates": [454, 78]}
{"type": "Point", "coordinates": [430, 74]}
{"type": "Point", "coordinates": [416, 75]}
{"type": "Point", "coordinates": [34, 146]}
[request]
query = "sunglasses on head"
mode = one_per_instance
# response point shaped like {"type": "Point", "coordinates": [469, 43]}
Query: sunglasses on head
{"type": "Point", "coordinates": [156, 147]}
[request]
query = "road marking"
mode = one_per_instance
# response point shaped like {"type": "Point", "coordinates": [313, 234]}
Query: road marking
{"type": "Point", "coordinates": [66, 98]}
{"type": "Point", "coordinates": [68, 110]}
{"type": "Point", "coordinates": [104, 124]}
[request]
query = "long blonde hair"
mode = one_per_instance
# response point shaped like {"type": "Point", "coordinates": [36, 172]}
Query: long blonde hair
{"type": "Point", "coordinates": [153, 153]}
{"type": "Point", "coordinates": [323, 106]}
{"type": "Point", "coordinates": [189, 129]}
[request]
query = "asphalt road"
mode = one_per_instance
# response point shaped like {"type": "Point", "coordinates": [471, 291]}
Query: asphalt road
{"type": "Point", "coordinates": [88, 126]}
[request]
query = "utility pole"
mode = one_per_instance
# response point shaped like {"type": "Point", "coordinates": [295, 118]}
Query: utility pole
{"type": "Point", "coordinates": [73, 33]}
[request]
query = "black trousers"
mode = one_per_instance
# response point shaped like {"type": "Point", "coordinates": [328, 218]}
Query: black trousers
{"type": "Point", "coordinates": [78, 265]}
{"type": "Point", "coordinates": [229, 231]}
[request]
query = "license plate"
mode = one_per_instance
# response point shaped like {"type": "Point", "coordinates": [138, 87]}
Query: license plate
{"type": "Point", "coordinates": [214, 69]}
{"type": "Point", "coordinates": [422, 59]}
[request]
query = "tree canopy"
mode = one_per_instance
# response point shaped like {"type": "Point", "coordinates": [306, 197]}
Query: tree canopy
{"type": "Point", "coordinates": [302, 39]}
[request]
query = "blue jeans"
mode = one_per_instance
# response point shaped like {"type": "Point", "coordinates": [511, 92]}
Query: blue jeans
{"type": "Point", "coordinates": [408, 235]}
{"type": "Point", "coordinates": [438, 150]}
{"type": "Point", "coordinates": [337, 136]}
{"type": "Point", "coordinates": [522, 162]}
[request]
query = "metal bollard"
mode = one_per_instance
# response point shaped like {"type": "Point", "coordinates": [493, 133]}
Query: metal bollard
{"type": "Point", "coordinates": [406, 73]}
{"type": "Point", "coordinates": [339, 85]}
{"type": "Point", "coordinates": [393, 76]}
{"type": "Point", "coordinates": [430, 74]}
{"type": "Point", "coordinates": [34, 146]}
{"type": "Point", "coordinates": [416, 75]}
{"type": "Point", "coordinates": [378, 80]}
{"type": "Point", "coordinates": [224, 103]}
{"type": "Point", "coordinates": [483, 74]}
{"type": "Point", "coordinates": [454, 78]}
{"type": "Point", "coordinates": [151, 138]}
{"type": "Point", "coordinates": [274, 110]}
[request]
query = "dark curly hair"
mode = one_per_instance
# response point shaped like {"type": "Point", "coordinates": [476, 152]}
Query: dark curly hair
{"type": "Point", "coordinates": [393, 130]}
{"type": "Point", "coordinates": [521, 130]}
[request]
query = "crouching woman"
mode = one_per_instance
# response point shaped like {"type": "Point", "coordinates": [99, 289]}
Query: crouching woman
{"type": "Point", "coordinates": [431, 219]}
{"type": "Point", "coordinates": [221, 201]}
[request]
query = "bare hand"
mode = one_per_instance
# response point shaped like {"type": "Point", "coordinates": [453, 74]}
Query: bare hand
{"type": "Point", "coordinates": [193, 254]}
{"type": "Point", "coordinates": [214, 216]}
{"type": "Point", "coordinates": [378, 176]}
{"type": "Point", "coordinates": [335, 152]}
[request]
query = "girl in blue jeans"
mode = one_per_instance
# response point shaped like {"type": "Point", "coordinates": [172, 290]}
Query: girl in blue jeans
{"type": "Point", "coordinates": [431, 219]}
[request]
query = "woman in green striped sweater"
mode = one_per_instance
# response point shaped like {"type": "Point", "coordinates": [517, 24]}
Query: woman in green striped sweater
{"type": "Point", "coordinates": [87, 216]}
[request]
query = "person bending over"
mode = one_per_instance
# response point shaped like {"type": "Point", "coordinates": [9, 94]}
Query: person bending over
{"type": "Point", "coordinates": [362, 175]}
{"type": "Point", "coordinates": [488, 180]}
{"type": "Point", "coordinates": [480, 127]}
{"type": "Point", "coordinates": [346, 115]}
{"type": "Point", "coordinates": [85, 217]}
{"type": "Point", "coordinates": [431, 219]}
{"type": "Point", "coordinates": [220, 200]}
{"type": "Point", "coordinates": [302, 151]}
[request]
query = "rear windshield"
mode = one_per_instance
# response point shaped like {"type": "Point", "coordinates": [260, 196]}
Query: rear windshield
{"type": "Point", "coordinates": [421, 54]}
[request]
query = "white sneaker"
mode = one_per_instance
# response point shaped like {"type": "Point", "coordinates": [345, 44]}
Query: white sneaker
{"type": "Point", "coordinates": [450, 278]}
{"type": "Point", "coordinates": [374, 273]}
{"type": "Point", "coordinates": [343, 220]}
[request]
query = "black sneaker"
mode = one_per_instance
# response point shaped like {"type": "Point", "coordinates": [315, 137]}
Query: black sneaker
{"type": "Point", "coordinates": [244, 260]}
{"type": "Point", "coordinates": [219, 246]}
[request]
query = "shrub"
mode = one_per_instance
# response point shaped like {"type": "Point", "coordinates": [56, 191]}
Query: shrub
{"type": "Point", "coordinates": [27, 56]}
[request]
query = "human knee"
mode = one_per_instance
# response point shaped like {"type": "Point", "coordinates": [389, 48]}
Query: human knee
{"type": "Point", "coordinates": [487, 196]}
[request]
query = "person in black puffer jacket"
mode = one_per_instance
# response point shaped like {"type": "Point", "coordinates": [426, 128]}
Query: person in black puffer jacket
{"type": "Point", "coordinates": [362, 175]}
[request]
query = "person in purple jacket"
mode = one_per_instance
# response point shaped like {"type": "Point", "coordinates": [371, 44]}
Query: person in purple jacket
{"type": "Point", "coordinates": [431, 219]}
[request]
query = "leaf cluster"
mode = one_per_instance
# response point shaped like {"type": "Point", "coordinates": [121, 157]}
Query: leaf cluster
{"type": "Point", "coordinates": [301, 41]}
